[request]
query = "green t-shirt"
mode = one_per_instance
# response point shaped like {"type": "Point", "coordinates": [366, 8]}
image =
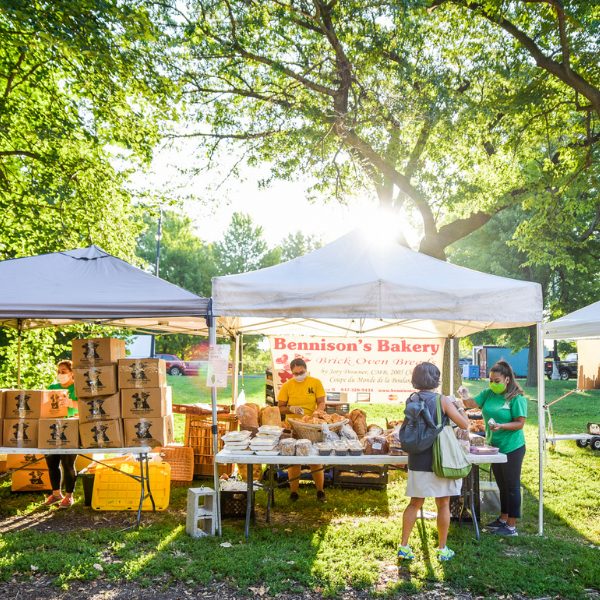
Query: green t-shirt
{"type": "Point", "coordinates": [495, 406]}
{"type": "Point", "coordinates": [73, 412]}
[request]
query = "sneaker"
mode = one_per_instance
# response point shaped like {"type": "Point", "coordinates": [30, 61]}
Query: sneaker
{"type": "Point", "coordinates": [321, 497]}
{"type": "Point", "coordinates": [445, 554]}
{"type": "Point", "coordinates": [505, 530]}
{"type": "Point", "coordinates": [50, 500]}
{"type": "Point", "coordinates": [293, 497]}
{"type": "Point", "coordinates": [496, 524]}
{"type": "Point", "coordinates": [405, 552]}
{"type": "Point", "coordinates": [66, 503]}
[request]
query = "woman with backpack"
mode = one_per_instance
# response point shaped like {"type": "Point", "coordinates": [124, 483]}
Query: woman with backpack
{"type": "Point", "coordinates": [504, 410]}
{"type": "Point", "coordinates": [422, 481]}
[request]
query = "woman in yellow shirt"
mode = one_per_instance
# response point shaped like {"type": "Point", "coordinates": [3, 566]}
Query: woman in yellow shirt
{"type": "Point", "coordinates": [299, 396]}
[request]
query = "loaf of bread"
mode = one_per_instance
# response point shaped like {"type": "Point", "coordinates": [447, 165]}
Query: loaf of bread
{"type": "Point", "coordinates": [375, 444]}
{"type": "Point", "coordinates": [271, 415]}
{"type": "Point", "coordinates": [358, 420]}
{"type": "Point", "coordinates": [247, 415]}
{"type": "Point", "coordinates": [335, 418]}
{"type": "Point", "coordinates": [321, 414]}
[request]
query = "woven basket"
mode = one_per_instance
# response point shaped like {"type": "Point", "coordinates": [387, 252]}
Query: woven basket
{"type": "Point", "coordinates": [313, 432]}
{"type": "Point", "coordinates": [181, 459]}
{"type": "Point", "coordinates": [91, 468]}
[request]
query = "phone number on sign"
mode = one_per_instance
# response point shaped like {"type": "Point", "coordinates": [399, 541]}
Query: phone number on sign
{"type": "Point", "coordinates": [356, 390]}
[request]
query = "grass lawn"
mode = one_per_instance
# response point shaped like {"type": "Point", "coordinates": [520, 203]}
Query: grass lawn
{"type": "Point", "coordinates": [351, 541]}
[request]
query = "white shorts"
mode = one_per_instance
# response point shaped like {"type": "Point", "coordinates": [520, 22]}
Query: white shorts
{"type": "Point", "coordinates": [422, 484]}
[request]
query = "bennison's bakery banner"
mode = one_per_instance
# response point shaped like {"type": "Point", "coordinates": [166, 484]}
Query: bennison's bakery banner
{"type": "Point", "coordinates": [381, 367]}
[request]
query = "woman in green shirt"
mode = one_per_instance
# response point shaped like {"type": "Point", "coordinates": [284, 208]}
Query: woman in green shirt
{"type": "Point", "coordinates": [66, 461]}
{"type": "Point", "coordinates": [504, 409]}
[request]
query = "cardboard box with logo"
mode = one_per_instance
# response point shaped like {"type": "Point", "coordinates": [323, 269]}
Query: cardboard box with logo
{"type": "Point", "coordinates": [157, 431]}
{"type": "Point", "coordinates": [58, 433]}
{"type": "Point", "coordinates": [20, 433]}
{"type": "Point", "coordinates": [97, 352]}
{"type": "Point", "coordinates": [2, 396]}
{"type": "Point", "coordinates": [141, 373]}
{"type": "Point", "coordinates": [55, 404]}
{"type": "Point", "coordinates": [99, 408]}
{"type": "Point", "coordinates": [95, 381]}
{"type": "Point", "coordinates": [146, 402]}
{"type": "Point", "coordinates": [35, 461]}
{"type": "Point", "coordinates": [102, 434]}
{"type": "Point", "coordinates": [36, 404]}
{"type": "Point", "coordinates": [31, 480]}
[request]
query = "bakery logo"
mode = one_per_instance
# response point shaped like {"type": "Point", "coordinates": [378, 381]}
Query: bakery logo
{"type": "Point", "coordinates": [95, 407]}
{"type": "Point", "coordinates": [89, 350]}
{"type": "Point", "coordinates": [143, 430]}
{"type": "Point", "coordinates": [21, 432]}
{"type": "Point", "coordinates": [99, 433]}
{"type": "Point", "coordinates": [138, 371]}
{"type": "Point", "coordinates": [22, 401]}
{"type": "Point", "coordinates": [311, 391]}
{"type": "Point", "coordinates": [93, 379]}
{"type": "Point", "coordinates": [58, 432]}
{"type": "Point", "coordinates": [55, 401]}
{"type": "Point", "coordinates": [141, 401]}
{"type": "Point", "coordinates": [35, 477]}
{"type": "Point", "coordinates": [29, 458]}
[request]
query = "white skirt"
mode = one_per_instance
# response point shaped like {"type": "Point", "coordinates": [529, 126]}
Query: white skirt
{"type": "Point", "coordinates": [422, 484]}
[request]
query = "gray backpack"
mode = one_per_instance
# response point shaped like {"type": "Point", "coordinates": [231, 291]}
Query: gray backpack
{"type": "Point", "coordinates": [418, 431]}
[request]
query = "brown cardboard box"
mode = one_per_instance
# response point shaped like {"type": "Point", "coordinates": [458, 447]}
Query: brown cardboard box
{"type": "Point", "coordinates": [55, 404]}
{"type": "Point", "coordinates": [58, 433]}
{"type": "Point", "coordinates": [102, 434]}
{"type": "Point", "coordinates": [148, 432]}
{"type": "Point", "coordinates": [16, 461]}
{"type": "Point", "coordinates": [2, 396]}
{"type": "Point", "coordinates": [95, 381]}
{"type": "Point", "coordinates": [97, 352]}
{"type": "Point", "coordinates": [99, 408]}
{"type": "Point", "coordinates": [142, 373]}
{"type": "Point", "coordinates": [31, 480]}
{"type": "Point", "coordinates": [22, 404]}
{"type": "Point", "coordinates": [1, 431]}
{"type": "Point", "coordinates": [20, 433]}
{"type": "Point", "coordinates": [146, 402]}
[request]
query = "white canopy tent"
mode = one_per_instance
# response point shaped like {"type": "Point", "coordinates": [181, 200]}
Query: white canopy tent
{"type": "Point", "coordinates": [365, 284]}
{"type": "Point", "coordinates": [583, 324]}
{"type": "Point", "coordinates": [88, 285]}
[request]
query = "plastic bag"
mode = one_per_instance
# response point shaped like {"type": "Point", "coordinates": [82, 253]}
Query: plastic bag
{"type": "Point", "coordinates": [328, 435]}
{"type": "Point", "coordinates": [346, 432]}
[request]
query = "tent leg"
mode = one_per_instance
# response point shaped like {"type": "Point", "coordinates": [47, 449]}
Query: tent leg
{"type": "Point", "coordinates": [236, 368]}
{"type": "Point", "coordinates": [541, 424]}
{"type": "Point", "coordinates": [19, 334]}
{"type": "Point", "coordinates": [212, 340]}
{"type": "Point", "coordinates": [451, 366]}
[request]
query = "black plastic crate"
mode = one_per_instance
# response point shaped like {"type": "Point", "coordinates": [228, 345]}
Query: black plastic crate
{"type": "Point", "coordinates": [270, 396]}
{"type": "Point", "coordinates": [87, 482]}
{"type": "Point", "coordinates": [280, 475]}
{"type": "Point", "coordinates": [457, 502]}
{"type": "Point", "coordinates": [352, 477]}
{"type": "Point", "coordinates": [337, 408]}
{"type": "Point", "coordinates": [234, 505]}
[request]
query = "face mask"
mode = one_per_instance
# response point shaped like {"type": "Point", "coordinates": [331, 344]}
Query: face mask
{"type": "Point", "coordinates": [63, 378]}
{"type": "Point", "coordinates": [300, 378]}
{"type": "Point", "coordinates": [497, 388]}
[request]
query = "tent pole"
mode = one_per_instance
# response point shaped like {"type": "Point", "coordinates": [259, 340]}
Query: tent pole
{"type": "Point", "coordinates": [20, 331]}
{"type": "Point", "coordinates": [212, 340]}
{"type": "Point", "coordinates": [541, 423]}
{"type": "Point", "coordinates": [236, 368]}
{"type": "Point", "coordinates": [451, 366]}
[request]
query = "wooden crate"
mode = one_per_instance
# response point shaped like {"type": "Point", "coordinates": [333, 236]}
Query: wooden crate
{"type": "Point", "coordinates": [181, 459]}
{"type": "Point", "coordinates": [198, 436]}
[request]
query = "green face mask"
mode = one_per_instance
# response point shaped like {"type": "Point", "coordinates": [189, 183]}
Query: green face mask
{"type": "Point", "coordinates": [497, 388]}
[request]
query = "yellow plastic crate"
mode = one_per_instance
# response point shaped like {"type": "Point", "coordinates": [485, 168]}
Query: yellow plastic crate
{"type": "Point", "coordinates": [116, 491]}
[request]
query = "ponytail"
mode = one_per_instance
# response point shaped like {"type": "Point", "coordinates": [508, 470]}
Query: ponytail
{"type": "Point", "coordinates": [512, 388]}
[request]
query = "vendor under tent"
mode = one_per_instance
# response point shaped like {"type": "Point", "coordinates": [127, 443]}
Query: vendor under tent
{"type": "Point", "coordinates": [369, 285]}
{"type": "Point", "coordinates": [88, 285]}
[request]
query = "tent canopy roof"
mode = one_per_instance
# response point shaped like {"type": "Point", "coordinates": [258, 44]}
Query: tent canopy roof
{"type": "Point", "coordinates": [581, 324]}
{"type": "Point", "coordinates": [361, 284]}
{"type": "Point", "coordinates": [90, 285]}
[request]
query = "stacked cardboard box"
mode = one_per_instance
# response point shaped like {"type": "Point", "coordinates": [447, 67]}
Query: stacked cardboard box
{"type": "Point", "coordinates": [33, 477]}
{"type": "Point", "coordinates": [95, 363]}
{"type": "Point", "coordinates": [146, 403]}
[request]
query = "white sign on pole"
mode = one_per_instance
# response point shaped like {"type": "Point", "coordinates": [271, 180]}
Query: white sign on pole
{"type": "Point", "coordinates": [218, 365]}
{"type": "Point", "coordinates": [381, 367]}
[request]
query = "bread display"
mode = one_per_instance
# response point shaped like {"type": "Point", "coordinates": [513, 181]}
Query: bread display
{"type": "Point", "coordinates": [270, 415]}
{"type": "Point", "coordinates": [288, 447]}
{"type": "Point", "coordinates": [321, 414]}
{"type": "Point", "coordinates": [477, 425]}
{"type": "Point", "coordinates": [375, 444]}
{"type": "Point", "coordinates": [303, 447]}
{"type": "Point", "coordinates": [358, 420]}
{"type": "Point", "coordinates": [335, 418]}
{"type": "Point", "coordinates": [374, 430]}
{"type": "Point", "coordinates": [476, 440]}
{"type": "Point", "coordinates": [247, 415]}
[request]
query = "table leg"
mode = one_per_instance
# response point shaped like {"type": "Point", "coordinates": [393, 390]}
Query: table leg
{"type": "Point", "coordinates": [249, 476]}
{"type": "Point", "coordinates": [148, 482]}
{"type": "Point", "coordinates": [143, 491]}
{"type": "Point", "coordinates": [474, 472]}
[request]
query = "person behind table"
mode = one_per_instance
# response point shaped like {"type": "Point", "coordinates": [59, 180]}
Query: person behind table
{"type": "Point", "coordinates": [67, 461]}
{"type": "Point", "coordinates": [299, 396]}
{"type": "Point", "coordinates": [505, 403]}
{"type": "Point", "coordinates": [422, 481]}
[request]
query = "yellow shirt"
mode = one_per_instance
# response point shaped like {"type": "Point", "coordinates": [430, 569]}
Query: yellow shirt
{"type": "Point", "coordinates": [303, 394]}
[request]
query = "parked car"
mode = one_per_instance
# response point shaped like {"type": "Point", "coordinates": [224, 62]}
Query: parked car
{"type": "Point", "coordinates": [567, 369]}
{"type": "Point", "coordinates": [176, 366]}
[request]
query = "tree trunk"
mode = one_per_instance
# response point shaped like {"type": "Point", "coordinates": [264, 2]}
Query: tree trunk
{"type": "Point", "coordinates": [532, 369]}
{"type": "Point", "coordinates": [446, 368]}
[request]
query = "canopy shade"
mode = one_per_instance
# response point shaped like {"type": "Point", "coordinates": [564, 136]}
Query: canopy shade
{"type": "Point", "coordinates": [581, 324]}
{"type": "Point", "coordinates": [88, 284]}
{"type": "Point", "coordinates": [364, 285]}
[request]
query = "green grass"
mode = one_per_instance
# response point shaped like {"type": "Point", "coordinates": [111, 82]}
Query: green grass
{"type": "Point", "coordinates": [352, 540]}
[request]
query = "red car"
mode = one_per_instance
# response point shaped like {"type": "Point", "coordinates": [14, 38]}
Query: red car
{"type": "Point", "coordinates": [176, 366]}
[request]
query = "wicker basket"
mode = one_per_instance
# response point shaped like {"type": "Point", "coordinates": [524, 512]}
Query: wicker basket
{"type": "Point", "coordinates": [91, 468]}
{"type": "Point", "coordinates": [313, 432]}
{"type": "Point", "coordinates": [181, 459]}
